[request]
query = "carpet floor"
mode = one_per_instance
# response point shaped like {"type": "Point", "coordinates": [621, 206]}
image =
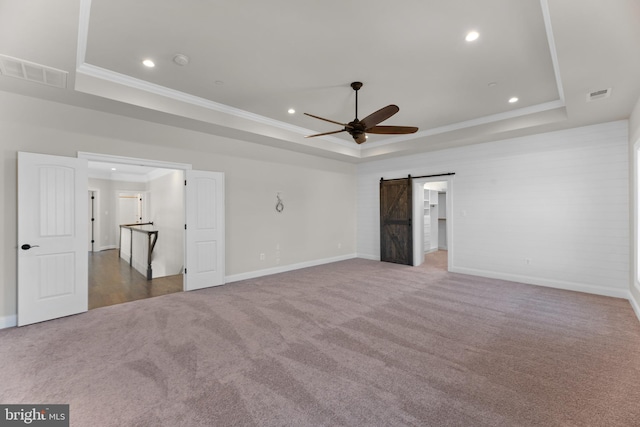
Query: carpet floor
{"type": "Point", "coordinates": [353, 343]}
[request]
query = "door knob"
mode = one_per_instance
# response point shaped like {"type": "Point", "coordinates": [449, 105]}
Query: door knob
{"type": "Point", "coordinates": [27, 246]}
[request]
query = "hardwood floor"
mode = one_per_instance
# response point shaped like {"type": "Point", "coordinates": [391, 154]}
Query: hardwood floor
{"type": "Point", "coordinates": [437, 260]}
{"type": "Point", "coordinates": [114, 281]}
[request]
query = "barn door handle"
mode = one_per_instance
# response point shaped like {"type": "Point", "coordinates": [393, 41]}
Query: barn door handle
{"type": "Point", "coordinates": [27, 246]}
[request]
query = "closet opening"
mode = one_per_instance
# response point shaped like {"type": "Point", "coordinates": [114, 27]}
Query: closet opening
{"type": "Point", "coordinates": [432, 221]}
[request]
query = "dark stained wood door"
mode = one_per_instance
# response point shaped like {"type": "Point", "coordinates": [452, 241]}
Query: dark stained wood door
{"type": "Point", "coordinates": [396, 227]}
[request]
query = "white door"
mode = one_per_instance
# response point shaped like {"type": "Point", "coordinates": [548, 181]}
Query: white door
{"type": "Point", "coordinates": [129, 208]}
{"type": "Point", "coordinates": [204, 248]}
{"type": "Point", "coordinates": [52, 237]}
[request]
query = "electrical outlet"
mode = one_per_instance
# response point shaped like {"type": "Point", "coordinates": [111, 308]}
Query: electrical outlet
{"type": "Point", "coordinates": [262, 257]}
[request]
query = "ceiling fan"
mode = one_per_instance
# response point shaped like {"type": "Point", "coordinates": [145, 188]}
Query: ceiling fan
{"type": "Point", "coordinates": [359, 128]}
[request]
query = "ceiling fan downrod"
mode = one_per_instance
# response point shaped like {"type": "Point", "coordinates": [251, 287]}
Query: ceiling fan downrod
{"type": "Point", "coordinates": [356, 86]}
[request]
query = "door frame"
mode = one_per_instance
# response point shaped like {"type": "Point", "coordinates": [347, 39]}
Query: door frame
{"type": "Point", "coordinates": [142, 204]}
{"type": "Point", "coordinates": [418, 214]}
{"type": "Point", "coordinates": [97, 241]}
{"type": "Point", "coordinates": [107, 158]}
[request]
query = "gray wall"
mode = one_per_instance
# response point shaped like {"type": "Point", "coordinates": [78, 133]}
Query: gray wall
{"type": "Point", "coordinates": [319, 194]}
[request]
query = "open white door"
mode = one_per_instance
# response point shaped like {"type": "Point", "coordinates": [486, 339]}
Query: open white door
{"type": "Point", "coordinates": [52, 237]}
{"type": "Point", "coordinates": [204, 248]}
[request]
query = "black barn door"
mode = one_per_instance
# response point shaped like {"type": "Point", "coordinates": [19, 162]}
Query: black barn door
{"type": "Point", "coordinates": [396, 228]}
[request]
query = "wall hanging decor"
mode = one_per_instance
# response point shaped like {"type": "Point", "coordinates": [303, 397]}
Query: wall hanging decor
{"type": "Point", "coordinates": [279, 204]}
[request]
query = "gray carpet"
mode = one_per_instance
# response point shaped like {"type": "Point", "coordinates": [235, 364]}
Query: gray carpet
{"type": "Point", "coordinates": [354, 343]}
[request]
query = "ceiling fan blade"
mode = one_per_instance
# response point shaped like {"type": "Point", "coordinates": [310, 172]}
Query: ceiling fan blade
{"type": "Point", "coordinates": [360, 138]}
{"type": "Point", "coordinates": [392, 130]}
{"type": "Point", "coordinates": [325, 133]}
{"type": "Point", "coordinates": [379, 116]}
{"type": "Point", "coordinates": [327, 120]}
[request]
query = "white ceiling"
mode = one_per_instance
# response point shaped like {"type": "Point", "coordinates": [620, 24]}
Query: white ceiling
{"type": "Point", "coordinates": [125, 172]}
{"type": "Point", "coordinates": [250, 61]}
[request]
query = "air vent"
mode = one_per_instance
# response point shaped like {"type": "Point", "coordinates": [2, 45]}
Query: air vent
{"type": "Point", "coordinates": [598, 94]}
{"type": "Point", "coordinates": [18, 68]}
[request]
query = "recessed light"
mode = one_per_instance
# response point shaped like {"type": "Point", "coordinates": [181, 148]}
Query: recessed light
{"type": "Point", "coordinates": [513, 100]}
{"type": "Point", "coordinates": [148, 63]}
{"type": "Point", "coordinates": [219, 82]}
{"type": "Point", "coordinates": [472, 35]}
{"type": "Point", "coordinates": [113, 169]}
{"type": "Point", "coordinates": [492, 84]}
{"type": "Point", "coordinates": [291, 111]}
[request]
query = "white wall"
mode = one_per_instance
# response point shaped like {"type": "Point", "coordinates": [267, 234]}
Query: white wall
{"type": "Point", "coordinates": [167, 215]}
{"type": "Point", "coordinates": [109, 190]}
{"type": "Point", "coordinates": [557, 199]}
{"type": "Point", "coordinates": [319, 194]}
{"type": "Point", "coordinates": [634, 176]}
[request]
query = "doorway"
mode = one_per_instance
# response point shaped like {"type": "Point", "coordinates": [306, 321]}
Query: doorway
{"type": "Point", "coordinates": [132, 196]}
{"type": "Point", "coordinates": [433, 220]}
{"type": "Point", "coordinates": [53, 232]}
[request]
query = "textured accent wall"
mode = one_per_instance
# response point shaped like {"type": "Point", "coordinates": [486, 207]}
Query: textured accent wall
{"type": "Point", "coordinates": [550, 209]}
{"type": "Point", "coordinates": [634, 138]}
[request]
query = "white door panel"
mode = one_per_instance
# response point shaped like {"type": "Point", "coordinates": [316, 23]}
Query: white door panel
{"type": "Point", "coordinates": [204, 248]}
{"type": "Point", "coordinates": [52, 221]}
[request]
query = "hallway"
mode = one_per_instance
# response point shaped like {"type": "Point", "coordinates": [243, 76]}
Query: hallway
{"type": "Point", "coordinates": [114, 281]}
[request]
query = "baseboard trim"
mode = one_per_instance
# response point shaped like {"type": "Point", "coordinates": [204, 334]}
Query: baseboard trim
{"type": "Point", "coordinates": [285, 268]}
{"type": "Point", "coordinates": [106, 248]}
{"type": "Point", "coordinates": [8, 321]}
{"type": "Point", "coordinates": [369, 256]}
{"type": "Point", "coordinates": [634, 304]}
{"type": "Point", "coordinates": [558, 284]}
